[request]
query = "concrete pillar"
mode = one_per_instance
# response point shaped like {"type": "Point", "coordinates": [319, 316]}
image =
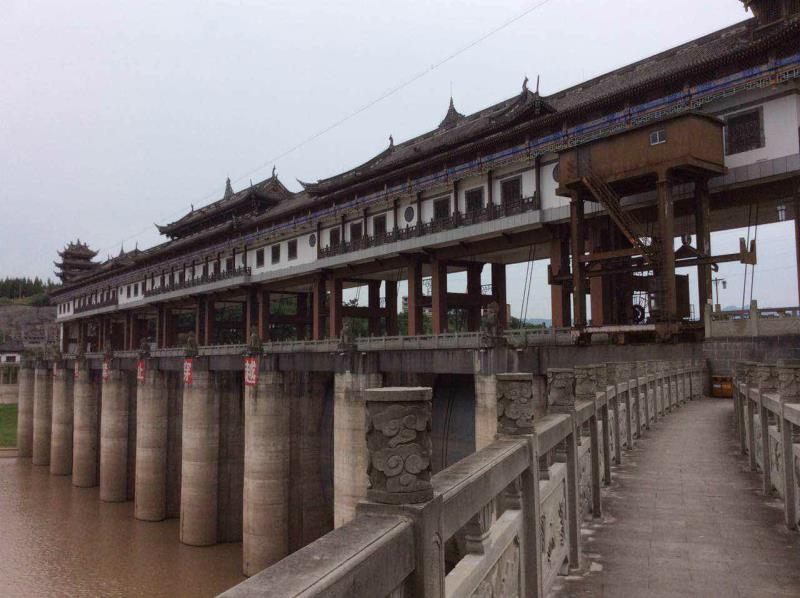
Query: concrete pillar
{"type": "Point", "coordinates": [559, 294]}
{"type": "Point", "coordinates": [702, 219]}
{"type": "Point", "coordinates": [114, 428]}
{"type": "Point", "coordinates": [355, 373]}
{"type": "Point", "coordinates": [335, 308]}
{"type": "Point", "coordinates": [42, 413]}
{"type": "Point", "coordinates": [474, 290]}
{"type": "Point", "coordinates": [577, 245]}
{"type": "Point", "coordinates": [151, 443]}
{"type": "Point", "coordinates": [317, 307]}
{"type": "Point", "coordinates": [200, 457]}
{"type": "Point", "coordinates": [25, 410]}
{"type": "Point", "coordinates": [499, 292]}
{"type": "Point", "coordinates": [666, 227]}
{"type": "Point", "coordinates": [266, 468]}
{"type": "Point", "coordinates": [439, 296]}
{"type": "Point", "coordinates": [86, 445]}
{"type": "Point", "coordinates": [62, 424]}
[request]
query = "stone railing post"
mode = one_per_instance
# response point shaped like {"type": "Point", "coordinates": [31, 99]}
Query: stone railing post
{"type": "Point", "coordinates": [644, 395]}
{"type": "Point", "coordinates": [789, 392]}
{"type": "Point", "coordinates": [561, 399]}
{"type": "Point", "coordinates": [398, 440]}
{"type": "Point", "coordinates": [655, 389]}
{"type": "Point", "coordinates": [622, 378]}
{"type": "Point", "coordinates": [750, 381]}
{"type": "Point", "coordinates": [601, 382]}
{"type": "Point", "coordinates": [767, 377]}
{"type": "Point", "coordinates": [586, 390]}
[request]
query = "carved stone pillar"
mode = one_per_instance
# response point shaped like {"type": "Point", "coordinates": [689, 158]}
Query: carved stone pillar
{"type": "Point", "coordinates": [586, 390]}
{"type": "Point", "coordinates": [399, 445]}
{"type": "Point", "coordinates": [601, 380]}
{"type": "Point", "coordinates": [789, 392]}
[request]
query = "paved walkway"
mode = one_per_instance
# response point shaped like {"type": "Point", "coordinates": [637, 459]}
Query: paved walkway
{"type": "Point", "coordinates": [685, 517]}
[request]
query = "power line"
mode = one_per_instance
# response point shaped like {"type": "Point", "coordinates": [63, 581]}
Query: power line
{"type": "Point", "coordinates": [392, 91]}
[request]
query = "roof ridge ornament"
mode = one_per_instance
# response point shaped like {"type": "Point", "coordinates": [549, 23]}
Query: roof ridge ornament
{"type": "Point", "coordinates": [391, 141]}
{"type": "Point", "coordinates": [228, 189]}
{"type": "Point", "coordinates": [453, 116]}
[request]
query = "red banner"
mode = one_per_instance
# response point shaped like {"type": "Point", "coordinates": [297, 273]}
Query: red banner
{"type": "Point", "coordinates": [187, 371]}
{"type": "Point", "coordinates": [140, 370]}
{"type": "Point", "coordinates": [106, 370]}
{"type": "Point", "coordinates": [250, 371]}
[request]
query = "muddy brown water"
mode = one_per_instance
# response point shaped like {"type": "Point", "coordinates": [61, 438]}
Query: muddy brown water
{"type": "Point", "coordinates": [58, 540]}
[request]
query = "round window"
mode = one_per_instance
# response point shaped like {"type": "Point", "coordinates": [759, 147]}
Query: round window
{"type": "Point", "coordinates": [312, 240]}
{"type": "Point", "coordinates": [409, 214]}
{"type": "Point", "coordinates": [556, 172]}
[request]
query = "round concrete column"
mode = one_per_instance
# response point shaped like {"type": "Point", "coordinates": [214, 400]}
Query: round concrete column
{"type": "Point", "coordinates": [200, 460]}
{"type": "Point", "coordinates": [114, 436]}
{"type": "Point", "coordinates": [349, 442]}
{"type": "Point", "coordinates": [25, 411]}
{"type": "Point", "coordinates": [42, 413]}
{"type": "Point", "coordinates": [150, 493]}
{"type": "Point", "coordinates": [87, 427]}
{"type": "Point", "coordinates": [61, 439]}
{"type": "Point", "coordinates": [266, 473]}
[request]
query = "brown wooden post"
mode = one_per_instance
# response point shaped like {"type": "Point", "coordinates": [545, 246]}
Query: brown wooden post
{"type": "Point", "coordinates": [439, 295]}
{"type": "Point", "coordinates": [576, 213]}
{"type": "Point", "coordinates": [499, 292]}
{"type": "Point", "coordinates": [335, 308]}
{"type": "Point", "coordinates": [666, 226]}
{"type": "Point", "coordinates": [251, 313]}
{"type": "Point", "coordinates": [318, 307]}
{"type": "Point", "coordinates": [263, 316]}
{"type": "Point", "coordinates": [414, 297]}
{"type": "Point", "coordinates": [302, 311]}
{"type": "Point", "coordinates": [199, 320]}
{"type": "Point", "coordinates": [701, 219]}
{"type": "Point", "coordinates": [560, 307]}
{"type": "Point", "coordinates": [474, 292]}
{"type": "Point", "coordinates": [210, 324]}
{"type": "Point", "coordinates": [391, 308]}
{"type": "Point", "coordinates": [374, 298]}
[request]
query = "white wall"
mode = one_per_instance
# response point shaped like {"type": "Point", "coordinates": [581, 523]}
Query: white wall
{"type": "Point", "coordinates": [781, 121]}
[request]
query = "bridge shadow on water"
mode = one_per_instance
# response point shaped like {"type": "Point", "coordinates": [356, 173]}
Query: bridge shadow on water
{"type": "Point", "coordinates": [684, 516]}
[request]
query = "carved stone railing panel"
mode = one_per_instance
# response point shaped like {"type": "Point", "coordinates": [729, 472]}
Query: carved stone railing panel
{"type": "Point", "coordinates": [553, 523]}
{"type": "Point", "coordinates": [759, 453]}
{"type": "Point", "coordinates": [776, 461]}
{"type": "Point", "coordinates": [585, 481]}
{"type": "Point", "coordinates": [518, 403]}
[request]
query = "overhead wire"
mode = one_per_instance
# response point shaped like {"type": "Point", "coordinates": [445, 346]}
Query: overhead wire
{"type": "Point", "coordinates": [387, 94]}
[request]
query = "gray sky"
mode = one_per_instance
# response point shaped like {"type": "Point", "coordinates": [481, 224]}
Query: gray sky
{"type": "Point", "coordinates": [116, 115]}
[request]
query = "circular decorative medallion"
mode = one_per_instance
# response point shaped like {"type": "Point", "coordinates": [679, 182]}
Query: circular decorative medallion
{"type": "Point", "coordinates": [312, 240]}
{"type": "Point", "coordinates": [556, 172]}
{"type": "Point", "coordinates": [409, 214]}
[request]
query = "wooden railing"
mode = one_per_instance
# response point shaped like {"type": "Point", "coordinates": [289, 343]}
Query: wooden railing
{"type": "Point", "coordinates": [767, 408]}
{"type": "Point", "coordinates": [512, 510]}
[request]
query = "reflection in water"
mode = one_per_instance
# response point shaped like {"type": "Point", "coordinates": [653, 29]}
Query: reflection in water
{"type": "Point", "coordinates": [58, 540]}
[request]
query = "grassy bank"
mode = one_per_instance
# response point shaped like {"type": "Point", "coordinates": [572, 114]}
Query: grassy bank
{"type": "Point", "coordinates": [8, 426]}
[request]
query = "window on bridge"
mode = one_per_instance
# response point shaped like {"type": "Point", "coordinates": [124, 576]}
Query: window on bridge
{"type": "Point", "coordinates": [511, 190]}
{"type": "Point", "coordinates": [259, 257]}
{"type": "Point", "coordinates": [291, 247]}
{"type": "Point", "coordinates": [276, 254]}
{"type": "Point", "coordinates": [744, 131]}
{"type": "Point", "coordinates": [335, 237]}
{"type": "Point", "coordinates": [379, 225]}
{"type": "Point", "coordinates": [441, 208]}
{"type": "Point", "coordinates": [474, 200]}
{"type": "Point", "coordinates": [356, 231]}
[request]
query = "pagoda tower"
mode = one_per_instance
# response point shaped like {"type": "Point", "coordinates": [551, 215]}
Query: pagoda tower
{"type": "Point", "coordinates": [771, 11]}
{"type": "Point", "coordinates": [76, 261]}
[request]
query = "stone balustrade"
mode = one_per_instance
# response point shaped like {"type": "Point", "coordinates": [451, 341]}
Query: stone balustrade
{"type": "Point", "coordinates": [767, 410]}
{"type": "Point", "coordinates": [504, 521]}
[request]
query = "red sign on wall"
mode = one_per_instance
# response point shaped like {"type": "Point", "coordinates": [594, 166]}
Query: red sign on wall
{"type": "Point", "coordinates": [140, 370]}
{"type": "Point", "coordinates": [187, 371]}
{"type": "Point", "coordinates": [250, 371]}
{"type": "Point", "coordinates": [106, 370]}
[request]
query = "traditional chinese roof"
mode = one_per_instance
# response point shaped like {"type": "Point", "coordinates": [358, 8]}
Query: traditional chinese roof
{"type": "Point", "coordinates": [77, 249]}
{"type": "Point", "coordinates": [529, 109]}
{"type": "Point", "coordinates": [255, 198]}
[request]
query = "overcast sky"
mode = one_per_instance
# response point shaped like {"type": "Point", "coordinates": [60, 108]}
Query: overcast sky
{"type": "Point", "coordinates": [116, 115]}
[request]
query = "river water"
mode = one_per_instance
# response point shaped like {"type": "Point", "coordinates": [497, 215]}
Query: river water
{"type": "Point", "coordinates": [58, 540]}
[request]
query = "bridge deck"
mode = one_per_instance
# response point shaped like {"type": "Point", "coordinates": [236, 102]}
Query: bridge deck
{"type": "Point", "coordinates": [688, 519]}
